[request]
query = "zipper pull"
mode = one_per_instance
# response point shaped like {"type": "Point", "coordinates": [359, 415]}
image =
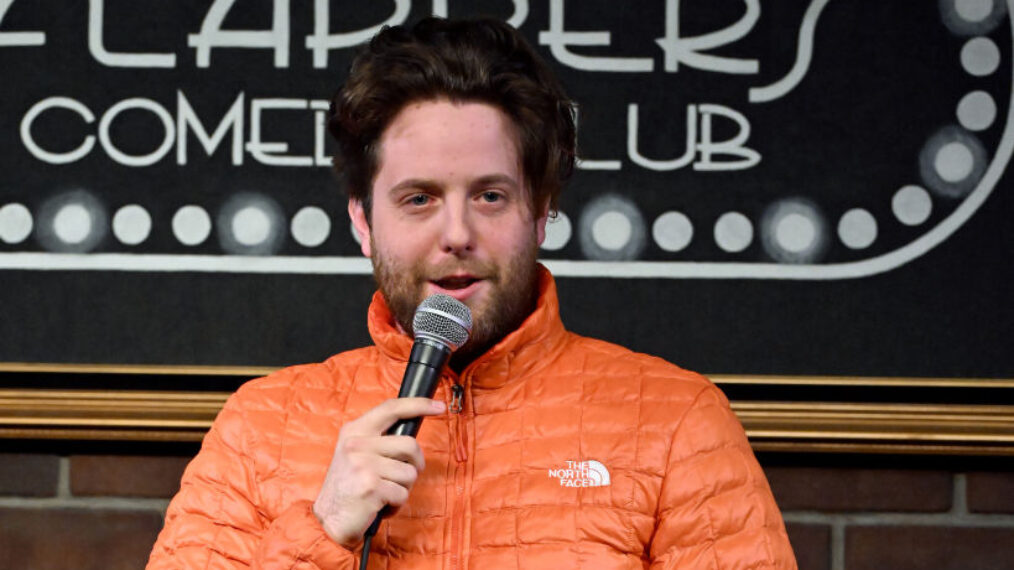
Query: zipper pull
{"type": "Point", "coordinates": [458, 393]}
{"type": "Point", "coordinates": [457, 401]}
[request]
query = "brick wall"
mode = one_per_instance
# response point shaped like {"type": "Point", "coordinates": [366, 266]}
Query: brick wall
{"type": "Point", "coordinates": [887, 518]}
{"type": "Point", "coordinates": [63, 510]}
{"type": "Point", "coordinates": [80, 507]}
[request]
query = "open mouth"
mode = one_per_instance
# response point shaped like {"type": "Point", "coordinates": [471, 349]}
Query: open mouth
{"type": "Point", "coordinates": [452, 283]}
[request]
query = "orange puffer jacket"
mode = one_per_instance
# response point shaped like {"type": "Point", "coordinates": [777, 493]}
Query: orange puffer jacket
{"type": "Point", "coordinates": [566, 452]}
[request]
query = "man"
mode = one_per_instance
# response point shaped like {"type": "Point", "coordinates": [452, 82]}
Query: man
{"type": "Point", "coordinates": [540, 449]}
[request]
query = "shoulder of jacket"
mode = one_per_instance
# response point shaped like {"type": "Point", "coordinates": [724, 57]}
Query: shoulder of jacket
{"type": "Point", "coordinates": [303, 380]}
{"type": "Point", "coordinates": [609, 358]}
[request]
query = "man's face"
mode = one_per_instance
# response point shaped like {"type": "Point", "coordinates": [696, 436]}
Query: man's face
{"type": "Point", "coordinates": [451, 214]}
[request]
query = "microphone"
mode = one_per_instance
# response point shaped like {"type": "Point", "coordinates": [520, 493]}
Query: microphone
{"type": "Point", "coordinates": [441, 325]}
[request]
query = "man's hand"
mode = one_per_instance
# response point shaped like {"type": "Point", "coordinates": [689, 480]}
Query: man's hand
{"type": "Point", "coordinates": [370, 470]}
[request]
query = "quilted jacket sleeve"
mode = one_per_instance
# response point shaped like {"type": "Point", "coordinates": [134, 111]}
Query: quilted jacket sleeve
{"type": "Point", "coordinates": [215, 520]}
{"type": "Point", "coordinates": [716, 509]}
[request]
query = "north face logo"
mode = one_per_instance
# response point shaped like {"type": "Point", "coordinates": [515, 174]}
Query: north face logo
{"type": "Point", "coordinates": [589, 473]}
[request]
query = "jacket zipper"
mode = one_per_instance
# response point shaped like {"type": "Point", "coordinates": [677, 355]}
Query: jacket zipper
{"type": "Point", "coordinates": [457, 392]}
{"type": "Point", "coordinates": [461, 455]}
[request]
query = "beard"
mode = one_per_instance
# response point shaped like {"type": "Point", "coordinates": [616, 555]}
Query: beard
{"type": "Point", "coordinates": [512, 294]}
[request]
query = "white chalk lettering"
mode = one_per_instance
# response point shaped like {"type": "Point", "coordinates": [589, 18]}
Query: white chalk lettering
{"type": "Point", "coordinates": [56, 157]}
{"type": "Point", "coordinates": [688, 49]}
{"type": "Point", "coordinates": [128, 159]}
{"type": "Point", "coordinates": [273, 152]}
{"type": "Point", "coordinates": [520, 13]}
{"type": "Point", "coordinates": [517, 18]}
{"type": "Point", "coordinates": [96, 19]}
{"type": "Point", "coordinates": [733, 147]}
{"type": "Point", "coordinates": [584, 163]}
{"type": "Point", "coordinates": [212, 35]}
{"type": "Point", "coordinates": [320, 109]}
{"type": "Point", "coordinates": [18, 38]}
{"type": "Point", "coordinates": [705, 149]}
{"type": "Point", "coordinates": [322, 40]}
{"type": "Point", "coordinates": [186, 117]}
{"type": "Point", "coordinates": [558, 40]}
{"type": "Point", "coordinates": [178, 129]}
{"type": "Point", "coordinates": [633, 128]}
{"type": "Point", "coordinates": [588, 164]}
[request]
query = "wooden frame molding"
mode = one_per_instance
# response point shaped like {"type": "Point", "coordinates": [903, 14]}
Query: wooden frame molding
{"type": "Point", "coordinates": [780, 426]}
{"type": "Point", "coordinates": [878, 428]}
{"type": "Point", "coordinates": [108, 415]}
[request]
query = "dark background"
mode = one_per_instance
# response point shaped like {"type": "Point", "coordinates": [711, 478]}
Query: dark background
{"type": "Point", "coordinates": [885, 77]}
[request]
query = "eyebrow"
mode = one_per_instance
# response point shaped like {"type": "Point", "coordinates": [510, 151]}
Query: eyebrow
{"type": "Point", "coordinates": [432, 185]}
{"type": "Point", "coordinates": [409, 183]}
{"type": "Point", "coordinates": [493, 179]}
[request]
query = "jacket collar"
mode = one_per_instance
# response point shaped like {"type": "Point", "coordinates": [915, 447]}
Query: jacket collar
{"type": "Point", "coordinates": [521, 352]}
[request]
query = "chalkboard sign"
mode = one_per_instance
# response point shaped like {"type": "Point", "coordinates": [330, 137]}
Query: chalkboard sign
{"type": "Point", "coordinates": [786, 187]}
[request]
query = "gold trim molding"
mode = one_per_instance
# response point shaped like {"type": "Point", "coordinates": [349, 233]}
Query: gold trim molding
{"type": "Point", "coordinates": [720, 379]}
{"type": "Point", "coordinates": [771, 426]}
{"type": "Point", "coordinates": [879, 428]}
{"type": "Point", "coordinates": [159, 369]}
{"type": "Point", "coordinates": [108, 415]}
{"type": "Point", "coordinates": [865, 381]}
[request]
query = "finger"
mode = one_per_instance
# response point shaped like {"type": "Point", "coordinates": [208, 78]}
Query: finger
{"type": "Point", "coordinates": [381, 417]}
{"type": "Point", "coordinates": [400, 448]}
{"type": "Point", "coordinates": [393, 494]}
{"type": "Point", "coordinates": [389, 483]}
{"type": "Point", "coordinates": [397, 472]}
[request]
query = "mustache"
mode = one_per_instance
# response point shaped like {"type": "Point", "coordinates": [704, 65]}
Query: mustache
{"type": "Point", "coordinates": [479, 270]}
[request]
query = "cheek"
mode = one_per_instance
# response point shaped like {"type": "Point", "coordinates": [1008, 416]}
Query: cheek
{"type": "Point", "coordinates": [405, 249]}
{"type": "Point", "coordinates": [513, 239]}
{"type": "Point", "coordinates": [397, 240]}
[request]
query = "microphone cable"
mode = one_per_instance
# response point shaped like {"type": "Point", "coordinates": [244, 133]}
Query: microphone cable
{"type": "Point", "coordinates": [441, 325]}
{"type": "Point", "coordinates": [365, 556]}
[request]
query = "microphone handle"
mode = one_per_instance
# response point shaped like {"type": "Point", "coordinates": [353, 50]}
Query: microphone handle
{"type": "Point", "coordinates": [422, 374]}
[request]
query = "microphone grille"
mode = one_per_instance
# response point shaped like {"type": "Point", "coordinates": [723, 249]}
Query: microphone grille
{"type": "Point", "coordinates": [444, 319]}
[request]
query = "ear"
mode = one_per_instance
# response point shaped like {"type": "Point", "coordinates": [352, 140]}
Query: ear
{"type": "Point", "coordinates": [540, 224]}
{"type": "Point", "coordinates": [361, 225]}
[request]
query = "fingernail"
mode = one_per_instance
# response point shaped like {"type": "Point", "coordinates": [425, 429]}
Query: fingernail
{"type": "Point", "coordinates": [438, 405]}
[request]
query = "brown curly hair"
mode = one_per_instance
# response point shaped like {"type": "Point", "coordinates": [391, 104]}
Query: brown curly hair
{"type": "Point", "coordinates": [481, 60]}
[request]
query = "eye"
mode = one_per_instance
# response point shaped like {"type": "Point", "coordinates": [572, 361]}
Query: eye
{"type": "Point", "coordinates": [419, 200]}
{"type": "Point", "coordinates": [490, 196]}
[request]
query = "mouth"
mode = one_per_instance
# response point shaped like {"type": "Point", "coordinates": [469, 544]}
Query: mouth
{"type": "Point", "coordinates": [455, 282]}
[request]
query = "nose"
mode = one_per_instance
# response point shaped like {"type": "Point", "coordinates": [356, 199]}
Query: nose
{"type": "Point", "coordinates": [457, 235]}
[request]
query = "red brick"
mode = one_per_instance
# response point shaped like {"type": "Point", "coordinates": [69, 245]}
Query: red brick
{"type": "Point", "coordinates": [28, 475]}
{"type": "Point", "coordinates": [44, 539]}
{"type": "Point", "coordinates": [828, 489]}
{"type": "Point", "coordinates": [812, 545]}
{"type": "Point", "coordinates": [991, 492]}
{"type": "Point", "coordinates": [921, 547]}
{"type": "Point", "coordinates": [126, 476]}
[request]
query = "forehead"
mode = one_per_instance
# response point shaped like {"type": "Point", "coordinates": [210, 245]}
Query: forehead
{"type": "Point", "coordinates": [441, 138]}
